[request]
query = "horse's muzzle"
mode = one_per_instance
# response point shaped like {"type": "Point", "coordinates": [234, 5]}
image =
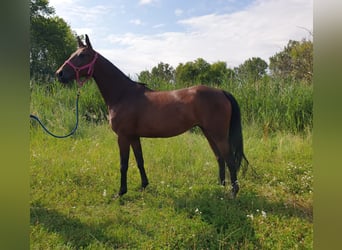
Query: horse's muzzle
{"type": "Point", "coordinates": [62, 77]}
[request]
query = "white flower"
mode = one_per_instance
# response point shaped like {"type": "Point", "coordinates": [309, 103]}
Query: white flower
{"type": "Point", "coordinates": [263, 213]}
{"type": "Point", "coordinates": [250, 216]}
{"type": "Point", "coordinates": [104, 194]}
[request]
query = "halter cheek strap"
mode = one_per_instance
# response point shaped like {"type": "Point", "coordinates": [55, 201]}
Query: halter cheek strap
{"type": "Point", "coordinates": [77, 70]}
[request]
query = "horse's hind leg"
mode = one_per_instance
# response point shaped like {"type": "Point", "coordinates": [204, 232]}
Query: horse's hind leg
{"type": "Point", "coordinates": [223, 147]}
{"type": "Point", "coordinates": [220, 146]}
{"type": "Point", "coordinates": [233, 175]}
{"type": "Point", "coordinates": [136, 145]}
{"type": "Point", "coordinates": [219, 158]}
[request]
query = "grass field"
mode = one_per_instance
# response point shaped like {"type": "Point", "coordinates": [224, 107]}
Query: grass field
{"type": "Point", "coordinates": [72, 180]}
{"type": "Point", "coordinates": [183, 208]}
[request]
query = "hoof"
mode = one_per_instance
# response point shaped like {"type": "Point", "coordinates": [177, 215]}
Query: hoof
{"type": "Point", "coordinates": [143, 187]}
{"type": "Point", "coordinates": [115, 197]}
{"type": "Point", "coordinates": [118, 195]}
{"type": "Point", "coordinates": [235, 189]}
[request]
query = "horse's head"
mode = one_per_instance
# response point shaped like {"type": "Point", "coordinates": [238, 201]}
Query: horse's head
{"type": "Point", "coordinates": [79, 65]}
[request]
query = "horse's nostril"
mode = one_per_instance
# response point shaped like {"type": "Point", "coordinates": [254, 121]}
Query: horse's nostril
{"type": "Point", "coordinates": [60, 75]}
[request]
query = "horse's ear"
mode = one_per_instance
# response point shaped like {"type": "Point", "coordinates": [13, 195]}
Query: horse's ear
{"type": "Point", "coordinates": [88, 42]}
{"type": "Point", "coordinates": [80, 43]}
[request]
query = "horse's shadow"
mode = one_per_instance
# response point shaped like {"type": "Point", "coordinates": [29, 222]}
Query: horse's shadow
{"type": "Point", "coordinates": [74, 232]}
{"type": "Point", "coordinates": [233, 218]}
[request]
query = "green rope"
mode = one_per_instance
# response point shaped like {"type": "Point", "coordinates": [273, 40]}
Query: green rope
{"type": "Point", "coordinates": [60, 136]}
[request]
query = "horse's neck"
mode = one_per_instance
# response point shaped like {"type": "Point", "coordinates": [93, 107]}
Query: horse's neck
{"type": "Point", "coordinates": [112, 83]}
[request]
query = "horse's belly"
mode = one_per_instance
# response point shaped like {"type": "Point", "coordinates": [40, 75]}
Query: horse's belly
{"type": "Point", "coordinates": [165, 126]}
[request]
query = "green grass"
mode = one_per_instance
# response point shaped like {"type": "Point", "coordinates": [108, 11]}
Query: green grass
{"type": "Point", "coordinates": [71, 180]}
{"type": "Point", "coordinates": [183, 207]}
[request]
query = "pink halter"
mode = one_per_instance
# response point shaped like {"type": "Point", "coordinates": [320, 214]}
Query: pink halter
{"type": "Point", "coordinates": [90, 67]}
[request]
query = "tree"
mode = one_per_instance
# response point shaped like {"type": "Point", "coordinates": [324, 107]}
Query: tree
{"type": "Point", "coordinates": [202, 68]}
{"type": "Point", "coordinates": [163, 72]}
{"type": "Point", "coordinates": [40, 8]}
{"type": "Point", "coordinates": [186, 74]}
{"type": "Point", "coordinates": [252, 69]}
{"type": "Point", "coordinates": [52, 40]}
{"type": "Point", "coordinates": [145, 76]}
{"type": "Point", "coordinates": [160, 74]}
{"type": "Point", "coordinates": [197, 72]}
{"type": "Point", "coordinates": [202, 72]}
{"type": "Point", "coordinates": [219, 73]}
{"type": "Point", "coordinates": [295, 61]}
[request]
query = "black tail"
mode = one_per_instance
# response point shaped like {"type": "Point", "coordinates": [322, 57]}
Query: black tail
{"type": "Point", "coordinates": [235, 139]}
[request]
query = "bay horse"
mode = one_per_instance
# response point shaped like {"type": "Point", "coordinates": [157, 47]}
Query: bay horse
{"type": "Point", "coordinates": [136, 111]}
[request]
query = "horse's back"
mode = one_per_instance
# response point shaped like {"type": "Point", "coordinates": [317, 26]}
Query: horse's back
{"type": "Point", "coordinates": [199, 93]}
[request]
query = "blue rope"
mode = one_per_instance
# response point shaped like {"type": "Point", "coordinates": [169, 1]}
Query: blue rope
{"type": "Point", "coordinates": [60, 136]}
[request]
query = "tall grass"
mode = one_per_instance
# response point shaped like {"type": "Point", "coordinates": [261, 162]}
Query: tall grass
{"type": "Point", "coordinates": [55, 105]}
{"type": "Point", "coordinates": [271, 104]}
{"type": "Point", "coordinates": [275, 104]}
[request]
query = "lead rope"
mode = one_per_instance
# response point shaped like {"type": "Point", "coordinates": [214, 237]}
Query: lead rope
{"type": "Point", "coordinates": [60, 136]}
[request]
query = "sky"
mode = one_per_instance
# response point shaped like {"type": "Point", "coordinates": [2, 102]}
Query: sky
{"type": "Point", "coordinates": [136, 35]}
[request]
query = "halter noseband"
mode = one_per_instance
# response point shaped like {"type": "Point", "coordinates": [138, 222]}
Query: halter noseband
{"type": "Point", "coordinates": [90, 72]}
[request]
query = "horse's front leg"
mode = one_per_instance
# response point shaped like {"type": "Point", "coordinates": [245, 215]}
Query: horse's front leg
{"type": "Point", "coordinates": [136, 145]}
{"type": "Point", "coordinates": [124, 157]}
